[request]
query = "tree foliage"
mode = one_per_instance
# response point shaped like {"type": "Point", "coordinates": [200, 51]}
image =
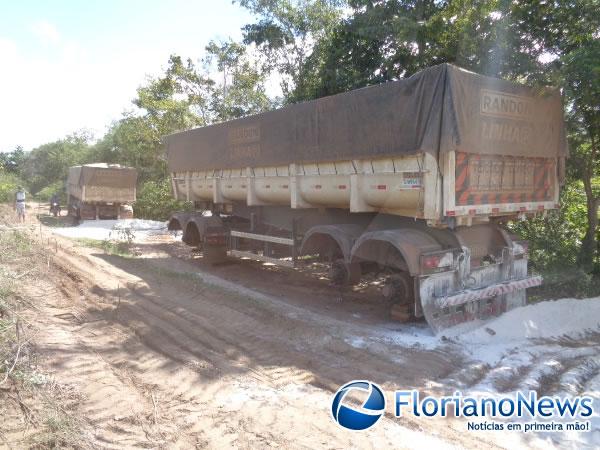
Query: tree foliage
{"type": "Point", "coordinates": [387, 40]}
{"type": "Point", "coordinates": [285, 35]}
{"type": "Point", "coordinates": [13, 161]}
{"type": "Point", "coordinates": [242, 91]}
{"type": "Point", "coordinates": [50, 162]}
{"type": "Point", "coordinates": [225, 86]}
{"type": "Point", "coordinates": [9, 182]}
{"type": "Point", "coordinates": [155, 201]}
{"type": "Point", "coordinates": [570, 33]}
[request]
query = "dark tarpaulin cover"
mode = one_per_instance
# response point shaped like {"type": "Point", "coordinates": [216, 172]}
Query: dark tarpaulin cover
{"type": "Point", "coordinates": [105, 175]}
{"type": "Point", "coordinates": [437, 110]}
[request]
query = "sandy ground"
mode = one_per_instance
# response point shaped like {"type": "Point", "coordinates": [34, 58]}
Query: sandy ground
{"type": "Point", "coordinates": [170, 352]}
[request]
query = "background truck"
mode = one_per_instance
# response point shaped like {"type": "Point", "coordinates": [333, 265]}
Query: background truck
{"type": "Point", "coordinates": [411, 179]}
{"type": "Point", "coordinates": [101, 191]}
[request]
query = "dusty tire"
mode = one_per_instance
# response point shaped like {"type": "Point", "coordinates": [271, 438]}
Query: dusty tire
{"type": "Point", "coordinates": [343, 274]}
{"type": "Point", "coordinates": [399, 289]}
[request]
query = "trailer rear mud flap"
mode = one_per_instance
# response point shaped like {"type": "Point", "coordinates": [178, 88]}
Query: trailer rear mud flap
{"type": "Point", "coordinates": [447, 310]}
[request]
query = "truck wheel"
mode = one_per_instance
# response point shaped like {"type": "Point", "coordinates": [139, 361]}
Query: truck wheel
{"type": "Point", "coordinates": [344, 274]}
{"type": "Point", "coordinates": [398, 289]}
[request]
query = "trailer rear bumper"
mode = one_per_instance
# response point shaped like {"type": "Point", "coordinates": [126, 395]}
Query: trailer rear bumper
{"type": "Point", "coordinates": [444, 307]}
{"type": "Point", "coordinates": [471, 295]}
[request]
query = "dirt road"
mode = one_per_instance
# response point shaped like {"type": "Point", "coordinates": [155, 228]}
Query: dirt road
{"type": "Point", "coordinates": [166, 351]}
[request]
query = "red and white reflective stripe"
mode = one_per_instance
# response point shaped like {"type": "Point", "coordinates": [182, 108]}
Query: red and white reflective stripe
{"type": "Point", "coordinates": [490, 291]}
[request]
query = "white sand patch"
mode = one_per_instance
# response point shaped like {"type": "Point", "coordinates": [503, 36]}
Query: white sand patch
{"type": "Point", "coordinates": [545, 341]}
{"type": "Point", "coordinates": [542, 320]}
{"type": "Point", "coordinates": [117, 230]}
{"type": "Point", "coordinates": [567, 317]}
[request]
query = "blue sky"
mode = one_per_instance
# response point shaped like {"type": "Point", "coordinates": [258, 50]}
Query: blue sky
{"type": "Point", "coordinates": [70, 65]}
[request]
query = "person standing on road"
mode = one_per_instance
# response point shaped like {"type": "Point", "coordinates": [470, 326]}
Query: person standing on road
{"type": "Point", "coordinates": [20, 204]}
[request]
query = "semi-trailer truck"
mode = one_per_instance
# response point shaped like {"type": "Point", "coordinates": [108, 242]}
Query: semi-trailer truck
{"type": "Point", "coordinates": [101, 191]}
{"type": "Point", "coordinates": [413, 179]}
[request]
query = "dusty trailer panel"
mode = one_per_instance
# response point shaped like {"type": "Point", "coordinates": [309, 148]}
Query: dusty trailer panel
{"type": "Point", "coordinates": [409, 178]}
{"type": "Point", "coordinates": [398, 118]}
{"type": "Point", "coordinates": [438, 110]}
{"type": "Point", "coordinates": [442, 143]}
{"type": "Point", "coordinates": [103, 183]}
{"type": "Point", "coordinates": [101, 190]}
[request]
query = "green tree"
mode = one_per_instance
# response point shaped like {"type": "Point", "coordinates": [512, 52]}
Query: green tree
{"type": "Point", "coordinates": [567, 34]}
{"type": "Point", "coordinates": [155, 201]}
{"type": "Point", "coordinates": [386, 40]}
{"type": "Point", "coordinates": [581, 74]}
{"type": "Point", "coordinates": [49, 163]}
{"type": "Point", "coordinates": [13, 161]}
{"type": "Point", "coordinates": [241, 91]}
{"type": "Point", "coordinates": [183, 97]}
{"type": "Point", "coordinates": [285, 34]}
{"type": "Point", "coordinates": [133, 141]}
{"type": "Point", "coordinates": [177, 100]}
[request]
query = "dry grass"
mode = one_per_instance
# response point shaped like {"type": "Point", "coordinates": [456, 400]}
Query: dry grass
{"type": "Point", "coordinates": [33, 406]}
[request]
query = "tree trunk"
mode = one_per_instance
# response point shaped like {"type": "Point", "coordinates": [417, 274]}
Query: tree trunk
{"type": "Point", "coordinates": [585, 259]}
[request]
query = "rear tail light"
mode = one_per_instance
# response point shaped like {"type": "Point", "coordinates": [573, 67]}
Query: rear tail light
{"type": "Point", "coordinates": [437, 262]}
{"type": "Point", "coordinates": [431, 262]}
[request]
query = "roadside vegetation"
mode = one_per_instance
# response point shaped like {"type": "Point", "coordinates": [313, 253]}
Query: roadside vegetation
{"type": "Point", "coordinates": [314, 48]}
{"type": "Point", "coordinates": [109, 247]}
{"type": "Point", "coordinates": [33, 406]}
{"type": "Point", "coordinates": [9, 182]}
{"type": "Point", "coordinates": [121, 244]}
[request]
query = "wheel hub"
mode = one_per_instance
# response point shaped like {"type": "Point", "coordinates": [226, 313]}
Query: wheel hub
{"type": "Point", "coordinates": [397, 289]}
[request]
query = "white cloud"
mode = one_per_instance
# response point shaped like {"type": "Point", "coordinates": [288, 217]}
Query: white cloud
{"type": "Point", "coordinates": [49, 95]}
{"type": "Point", "coordinates": [57, 78]}
{"type": "Point", "coordinates": [8, 50]}
{"type": "Point", "coordinates": [46, 32]}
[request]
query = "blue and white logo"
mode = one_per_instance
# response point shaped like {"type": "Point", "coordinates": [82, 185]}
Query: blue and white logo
{"type": "Point", "coordinates": [367, 415]}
